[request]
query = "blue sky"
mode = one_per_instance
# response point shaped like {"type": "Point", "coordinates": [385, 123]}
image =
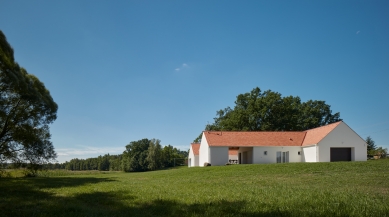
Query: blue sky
{"type": "Point", "coordinates": [121, 71]}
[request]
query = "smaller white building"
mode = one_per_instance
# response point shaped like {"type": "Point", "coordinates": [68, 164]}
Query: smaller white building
{"type": "Point", "coordinates": [193, 158]}
{"type": "Point", "coordinates": [333, 142]}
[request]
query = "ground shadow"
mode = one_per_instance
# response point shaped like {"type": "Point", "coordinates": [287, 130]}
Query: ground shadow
{"type": "Point", "coordinates": [28, 197]}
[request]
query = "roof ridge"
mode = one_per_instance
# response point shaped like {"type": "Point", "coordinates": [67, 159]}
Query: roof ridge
{"type": "Point", "coordinates": [324, 125]}
{"type": "Point", "coordinates": [302, 141]}
{"type": "Point", "coordinates": [214, 131]}
{"type": "Point", "coordinates": [322, 130]}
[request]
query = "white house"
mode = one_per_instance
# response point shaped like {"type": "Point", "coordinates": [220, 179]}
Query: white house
{"type": "Point", "coordinates": [333, 142]}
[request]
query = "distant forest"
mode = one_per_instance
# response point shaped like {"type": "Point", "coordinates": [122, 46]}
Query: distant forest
{"type": "Point", "coordinates": [142, 155]}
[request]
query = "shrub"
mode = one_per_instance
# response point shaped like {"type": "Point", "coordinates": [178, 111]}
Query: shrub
{"type": "Point", "coordinates": [207, 164]}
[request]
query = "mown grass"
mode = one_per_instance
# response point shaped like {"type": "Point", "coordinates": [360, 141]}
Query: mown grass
{"type": "Point", "coordinates": [300, 189]}
{"type": "Point", "coordinates": [19, 173]}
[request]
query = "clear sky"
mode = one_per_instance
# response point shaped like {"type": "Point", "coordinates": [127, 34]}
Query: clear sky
{"type": "Point", "coordinates": [122, 71]}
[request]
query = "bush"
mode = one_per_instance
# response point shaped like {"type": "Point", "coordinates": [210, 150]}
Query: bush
{"type": "Point", "coordinates": [4, 173]}
{"type": "Point", "coordinates": [207, 164]}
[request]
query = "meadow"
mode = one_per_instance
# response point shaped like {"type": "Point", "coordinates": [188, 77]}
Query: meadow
{"type": "Point", "coordinates": [294, 189]}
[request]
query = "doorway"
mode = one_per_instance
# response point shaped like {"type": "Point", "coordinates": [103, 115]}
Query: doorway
{"type": "Point", "coordinates": [282, 157]}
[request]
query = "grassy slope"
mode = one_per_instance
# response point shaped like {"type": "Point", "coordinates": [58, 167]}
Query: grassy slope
{"type": "Point", "coordinates": [301, 189]}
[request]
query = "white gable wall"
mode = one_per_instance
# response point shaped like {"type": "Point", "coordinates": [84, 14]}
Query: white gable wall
{"type": "Point", "coordinates": [309, 154]}
{"type": "Point", "coordinates": [196, 162]}
{"type": "Point", "coordinates": [271, 157]}
{"type": "Point", "coordinates": [342, 137]}
{"type": "Point", "coordinates": [191, 161]}
{"type": "Point", "coordinates": [204, 151]}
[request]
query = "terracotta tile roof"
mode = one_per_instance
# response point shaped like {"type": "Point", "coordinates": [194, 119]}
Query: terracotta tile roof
{"type": "Point", "coordinates": [242, 139]}
{"type": "Point", "coordinates": [315, 135]}
{"type": "Point", "coordinates": [261, 138]}
{"type": "Point", "coordinates": [195, 148]}
{"type": "Point", "coordinates": [233, 152]}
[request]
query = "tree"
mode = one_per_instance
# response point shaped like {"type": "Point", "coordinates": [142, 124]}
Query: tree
{"type": "Point", "coordinates": [269, 111]}
{"type": "Point", "coordinates": [26, 110]}
{"type": "Point", "coordinates": [370, 144]}
{"type": "Point", "coordinates": [169, 154]}
{"type": "Point", "coordinates": [154, 155]}
{"type": "Point", "coordinates": [373, 150]}
{"type": "Point", "coordinates": [134, 157]}
{"type": "Point", "coordinates": [381, 152]}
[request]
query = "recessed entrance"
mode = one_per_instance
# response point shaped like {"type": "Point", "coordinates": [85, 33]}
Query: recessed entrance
{"type": "Point", "coordinates": [340, 154]}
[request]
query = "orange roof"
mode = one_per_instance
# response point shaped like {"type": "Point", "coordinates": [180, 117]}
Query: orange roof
{"type": "Point", "coordinates": [195, 148]}
{"type": "Point", "coordinates": [315, 135]}
{"type": "Point", "coordinates": [233, 152]}
{"type": "Point", "coordinates": [242, 139]}
{"type": "Point", "coordinates": [261, 138]}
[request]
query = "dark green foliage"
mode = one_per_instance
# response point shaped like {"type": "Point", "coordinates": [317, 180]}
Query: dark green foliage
{"type": "Point", "coordinates": [269, 111]}
{"type": "Point", "coordinates": [103, 163]}
{"type": "Point", "coordinates": [141, 155]}
{"type": "Point", "coordinates": [373, 150]}
{"type": "Point", "coordinates": [198, 139]}
{"type": "Point", "coordinates": [145, 154]}
{"type": "Point", "coordinates": [154, 155]}
{"type": "Point", "coordinates": [135, 156]}
{"type": "Point", "coordinates": [370, 144]}
{"type": "Point", "coordinates": [169, 153]}
{"type": "Point", "coordinates": [26, 110]}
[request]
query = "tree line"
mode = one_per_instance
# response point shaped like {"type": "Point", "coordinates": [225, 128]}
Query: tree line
{"type": "Point", "coordinates": [141, 155]}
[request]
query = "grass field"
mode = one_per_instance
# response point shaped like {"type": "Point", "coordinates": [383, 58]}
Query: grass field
{"type": "Point", "coordinates": [295, 189]}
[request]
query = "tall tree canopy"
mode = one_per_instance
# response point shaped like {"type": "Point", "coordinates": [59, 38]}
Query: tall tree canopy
{"type": "Point", "coordinates": [145, 154]}
{"type": "Point", "coordinates": [26, 110]}
{"type": "Point", "coordinates": [269, 111]}
{"type": "Point", "coordinates": [135, 156]}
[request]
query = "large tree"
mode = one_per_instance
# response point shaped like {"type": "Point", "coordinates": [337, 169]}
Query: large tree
{"type": "Point", "coordinates": [26, 110]}
{"type": "Point", "coordinates": [135, 156]}
{"type": "Point", "coordinates": [269, 111]}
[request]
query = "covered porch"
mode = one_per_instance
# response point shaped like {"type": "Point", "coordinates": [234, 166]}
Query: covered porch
{"type": "Point", "coordinates": [240, 155]}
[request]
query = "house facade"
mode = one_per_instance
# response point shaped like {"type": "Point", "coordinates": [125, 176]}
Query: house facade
{"type": "Point", "coordinates": [333, 142]}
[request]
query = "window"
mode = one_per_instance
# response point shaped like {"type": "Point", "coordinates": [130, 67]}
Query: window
{"type": "Point", "coordinates": [299, 153]}
{"type": "Point", "coordinates": [265, 152]}
{"type": "Point", "coordinates": [284, 158]}
{"type": "Point", "coordinates": [278, 157]}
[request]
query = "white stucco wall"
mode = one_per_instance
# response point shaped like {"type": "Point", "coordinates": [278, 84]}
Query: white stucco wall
{"type": "Point", "coordinates": [196, 164]}
{"type": "Point", "coordinates": [218, 155]}
{"type": "Point", "coordinates": [309, 154]}
{"type": "Point", "coordinates": [232, 157]}
{"type": "Point", "coordinates": [271, 157]}
{"type": "Point", "coordinates": [191, 157]}
{"type": "Point", "coordinates": [204, 151]}
{"type": "Point", "coordinates": [343, 137]}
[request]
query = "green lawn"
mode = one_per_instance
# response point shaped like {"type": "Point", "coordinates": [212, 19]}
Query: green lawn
{"type": "Point", "coordinates": [295, 189]}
